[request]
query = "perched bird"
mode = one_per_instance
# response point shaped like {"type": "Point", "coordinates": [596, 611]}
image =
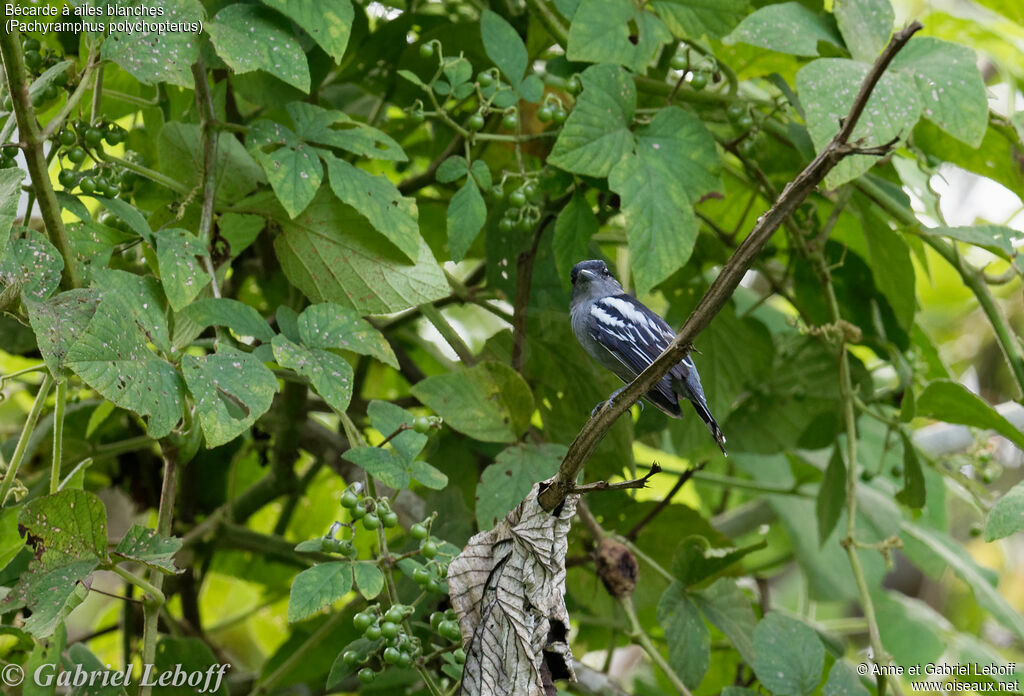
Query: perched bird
{"type": "Point", "coordinates": [625, 336]}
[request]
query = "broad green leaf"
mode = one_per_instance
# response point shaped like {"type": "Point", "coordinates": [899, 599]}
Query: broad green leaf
{"type": "Point", "coordinates": [294, 173]}
{"type": "Point", "coordinates": [913, 492]}
{"type": "Point", "coordinates": [328, 22]}
{"type": "Point", "coordinates": [865, 26]}
{"type": "Point", "coordinates": [239, 231]}
{"type": "Point", "coordinates": [189, 655]}
{"type": "Point", "coordinates": [615, 31]}
{"type": "Point", "coordinates": [329, 325]}
{"type": "Point", "coordinates": [574, 227]}
{"type": "Point", "coordinates": [10, 193]}
{"type": "Point", "coordinates": [138, 297]}
{"type": "Point", "coordinates": [952, 402]}
{"type": "Point", "coordinates": [330, 374]}
{"type": "Point", "coordinates": [452, 169]}
{"type": "Point", "coordinates": [59, 321]}
{"type": "Point", "coordinates": [680, 141]}
{"type": "Point", "coordinates": [488, 402]}
{"type": "Point", "coordinates": [911, 631]}
{"type": "Point", "coordinates": [997, 237]}
{"type": "Point", "coordinates": [111, 357]}
{"type": "Point", "coordinates": [318, 587]}
{"type": "Point", "coordinates": [1008, 8]}
{"type": "Point", "coordinates": [45, 655]}
{"type": "Point", "coordinates": [949, 84]}
{"type": "Point", "coordinates": [160, 56]}
{"type": "Point", "coordinates": [10, 540]}
{"type": "Point", "coordinates": [145, 546]}
{"type": "Point", "coordinates": [336, 129]}
{"type": "Point", "coordinates": [428, 475]}
{"type": "Point", "coordinates": [985, 592]}
{"type": "Point", "coordinates": [894, 273]}
{"type": "Point", "coordinates": [995, 158]}
{"type": "Point", "coordinates": [237, 316]}
{"type": "Point", "coordinates": [332, 254]}
{"type": "Point", "coordinates": [695, 18]}
{"type": "Point", "coordinates": [1007, 515]}
{"type": "Point", "coordinates": [231, 390]}
{"type": "Point", "coordinates": [377, 199]}
{"type": "Point", "coordinates": [467, 214]}
{"type": "Point", "coordinates": [789, 655]}
{"type": "Point", "coordinates": [482, 174]}
{"type": "Point", "coordinates": [842, 681]}
{"type": "Point", "coordinates": [32, 263]}
{"type": "Point", "coordinates": [250, 37]}
{"type": "Point", "coordinates": [826, 92]}
{"type": "Point", "coordinates": [383, 464]}
{"type": "Point", "coordinates": [726, 606]}
{"type": "Point", "coordinates": [733, 354]}
{"type": "Point", "coordinates": [387, 418]}
{"type": "Point", "coordinates": [181, 272]}
{"type": "Point", "coordinates": [695, 560]}
{"type": "Point", "coordinates": [180, 152]}
{"type": "Point", "coordinates": [369, 579]}
{"type": "Point", "coordinates": [505, 483]}
{"type": "Point", "coordinates": [128, 213]}
{"type": "Point", "coordinates": [831, 495]}
{"type": "Point", "coordinates": [596, 135]}
{"type": "Point", "coordinates": [689, 643]}
{"type": "Point", "coordinates": [503, 46]}
{"type": "Point", "coordinates": [93, 243]}
{"type": "Point", "coordinates": [787, 27]}
{"type": "Point", "coordinates": [79, 656]}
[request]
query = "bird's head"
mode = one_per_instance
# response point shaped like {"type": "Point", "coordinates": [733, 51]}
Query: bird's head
{"type": "Point", "coordinates": [593, 276]}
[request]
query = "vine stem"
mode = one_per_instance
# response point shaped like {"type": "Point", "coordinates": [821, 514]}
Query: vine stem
{"type": "Point", "coordinates": [26, 434]}
{"type": "Point", "coordinates": [32, 144]}
{"type": "Point", "coordinates": [207, 118]}
{"type": "Point", "coordinates": [58, 435]}
{"type": "Point", "coordinates": [73, 100]}
{"type": "Point", "coordinates": [447, 331]}
{"type": "Point", "coordinates": [795, 193]}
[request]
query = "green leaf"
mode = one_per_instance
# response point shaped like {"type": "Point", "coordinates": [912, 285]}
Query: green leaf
{"type": "Point", "coordinates": [383, 464]}
{"type": "Point", "coordinates": [129, 214]}
{"type": "Point", "coordinates": [825, 91]}
{"type": "Point", "coordinates": [467, 214]}
{"type": "Point", "coordinates": [376, 198]}
{"type": "Point", "coordinates": [336, 129]}
{"type": "Point", "coordinates": [831, 495]}
{"type": "Point", "coordinates": [505, 483]}
{"type": "Point", "coordinates": [318, 587]}
{"type": "Point", "coordinates": [995, 237]}
{"type": "Point", "coordinates": [330, 375]}
{"type": "Point", "coordinates": [789, 655]}
{"type": "Point", "coordinates": [10, 194]}
{"type": "Point", "coordinates": [387, 418]}
{"type": "Point", "coordinates": [952, 402]}
{"type": "Point", "coordinates": [328, 325]}
{"type": "Point", "coordinates": [341, 668]}
{"type": "Point", "coordinates": [181, 273]}
{"type": "Point", "coordinates": [787, 27]}
{"type": "Point", "coordinates": [695, 18]}
{"type": "Point", "coordinates": [913, 492]}
{"type": "Point", "coordinates": [894, 273]}
{"type": "Point", "coordinates": [574, 227]}
{"type": "Point", "coordinates": [428, 475]}
{"type": "Point", "coordinates": [695, 560]}
{"type": "Point", "coordinates": [329, 23]}
{"type": "Point", "coordinates": [59, 321]}
{"type": "Point", "coordinates": [294, 173]}
{"type": "Point", "coordinates": [1007, 515]}
{"type": "Point", "coordinates": [369, 579]}
{"type": "Point", "coordinates": [911, 631]}
{"type": "Point", "coordinates": [250, 37]}
{"type": "Point", "coordinates": [231, 390]}
{"type": "Point", "coordinates": [188, 655]}
{"type": "Point", "coordinates": [949, 84]}
{"type": "Point", "coordinates": [34, 264]}
{"type": "Point", "coordinates": [138, 297]}
{"type": "Point", "coordinates": [331, 254]}
{"type": "Point", "coordinates": [488, 402]}
{"type": "Point", "coordinates": [180, 152]}
{"type": "Point", "coordinates": [726, 606]}
{"type": "Point", "coordinates": [451, 169]}
{"type": "Point", "coordinates": [159, 56]}
{"type": "Point", "coordinates": [239, 231]}
{"type": "Point", "coordinates": [504, 47]}
{"type": "Point", "coordinates": [237, 316]}
{"type": "Point", "coordinates": [842, 681]}
{"type": "Point", "coordinates": [682, 144]}
{"type": "Point", "coordinates": [144, 545]}
{"type": "Point", "coordinates": [80, 657]}
{"type": "Point", "coordinates": [45, 654]}
{"type": "Point", "coordinates": [596, 135]}
{"type": "Point", "coordinates": [111, 357]}
{"type": "Point", "coordinates": [615, 31]}
{"type": "Point", "coordinates": [689, 643]}
{"type": "Point", "coordinates": [865, 25]}
{"type": "Point", "coordinates": [482, 174]}
{"type": "Point", "coordinates": [733, 355]}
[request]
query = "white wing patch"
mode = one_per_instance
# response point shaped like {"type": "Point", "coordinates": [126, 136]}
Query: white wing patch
{"type": "Point", "coordinates": [627, 310]}
{"type": "Point", "coordinates": [606, 318]}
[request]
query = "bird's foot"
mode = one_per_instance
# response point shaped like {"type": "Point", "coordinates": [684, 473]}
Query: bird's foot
{"type": "Point", "coordinates": [610, 400]}
{"type": "Point", "coordinates": [597, 408]}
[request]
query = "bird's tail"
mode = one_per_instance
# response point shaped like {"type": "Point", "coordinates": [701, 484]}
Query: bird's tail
{"type": "Point", "coordinates": [705, 415]}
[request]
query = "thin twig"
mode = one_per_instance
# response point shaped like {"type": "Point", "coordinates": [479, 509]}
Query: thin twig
{"type": "Point", "coordinates": [724, 285]}
{"type": "Point", "coordinates": [204, 102]}
{"type": "Point", "coordinates": [26, 434]}
{"type": "Point", "coordinates": [58, 435]}
{"type": "Point", "coordinates": [600, 486]}
{"type": "Point", "coordinates": [633, 533]}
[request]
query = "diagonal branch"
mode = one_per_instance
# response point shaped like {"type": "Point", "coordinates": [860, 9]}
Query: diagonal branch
{"type": "Point", "coordinates": [725, 284]}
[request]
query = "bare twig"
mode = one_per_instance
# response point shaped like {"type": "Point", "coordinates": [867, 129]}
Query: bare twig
{"type": "Point", "coordinates": [620, 485]}
{"type": "Point", "coordinates": [633, 533]}
{"type": "Point", "coordinates": [204, 101]}
{"type": "Point", "coordinates": [725, 284]}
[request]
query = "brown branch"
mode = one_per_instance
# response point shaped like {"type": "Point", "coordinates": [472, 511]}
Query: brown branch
{"type": "Point", "coordinates": [207, 117]}
{"type": "Point", "coordinates": [520, 306]}
{"type": "Point", "coordinates": [598, 486]}
{"type": "Point", "coordinates": [725, 284]}
{"type": "Point", "coordinates": [633, 533]}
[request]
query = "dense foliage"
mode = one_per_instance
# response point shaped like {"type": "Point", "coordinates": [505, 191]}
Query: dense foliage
{"type": "Point", "coordinates": [285, 322]}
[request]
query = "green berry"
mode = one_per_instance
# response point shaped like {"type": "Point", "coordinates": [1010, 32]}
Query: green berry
{"type": "Point", "coordinates": [530, 190]}
{"type": "Point", "coordinates": [449, 630]}
{"type": "Point", "coordinates": [33, 60]}
{"type": "Point", "coordinates": [88, 185]}
{"type": "Point", "coordinates": [115, 135]}
{"type": "Point", "coordinates": [418, 531]}
{"type": "Point", "coordinates": [30, 44]}
{"type": "Point", "coordinates": [574, 86]}
{"type": "Point", "coordinates": [747, 147]}
{"type": "Point", "coordinates": [421, 576]}
{"type": "Point", "coordinates": [366, 675]}
{"type": "Point", "coordinates": [745, 122]}
{"type": "Point", "coordinates": [93, 137]}
{"type": "Point", "coordinates": [735, 111]}
{"type": "Point", "coordinates": [421, 424]}
{"type": "Point", "coordinates": [371, 521]}
{"type": "Point", "coordinates": [76, 155]}
{"type": "Point", "coordinates": [351, 657]}
{"type": "Point", "coordinates": [10, 151]}
{"type": "Point", "coordinates": [545, 114]}
{"type": "Point", "coordinates": [363, 621]}
{"type": "Point", "coordinates": [433, 585]}
{"type": "Point", "coordinates": [459, 655]}
{"type": "Point", "coordinates": [699, 81]}
{"type": "Point", "coordinates": [6, 162]}
{"type": "Point", "coordinates": [976, 529]}
{"type": "Point", "coordinates": [60, 79]}
{"type": "Point", "coordinates": [349, 499]}
{"type": "Point", "coordinates": [510, 121]}
{"type": "Point", "coordinates": [67, 178]}
{"type": "Point", "coordinates": [426, 50]}
{"type": "Point", "coordinates": [391, 655]}
{"type": "Point", "coordinates": [389, 629]}
{"type": "Point", "coordinates": [372, 632]}
{"type": "Point", "coordinates": [50, 93]}
{"type": "Point", "coordinates": [679, 62]}
{"type": "Point", "coordinates": [476, 122]}
{"type": "Point", "coordinates": [389, 519]}
{"type": "Point", "coordinates": [435, 619]}
{"type": "Point", "coordinates": [67, 137]}
{"type": "Point", "coordinates": [485, 79]}
{"type": "Point", "coordinates": [559, 116]}
{"type": "Point", "coordinates": [359, 511]}
{"type": "Point", "coordinates": [506, 224]}
{"type": "Point", "coordinates": [428, 548]}
{"type": "Point", "coordinates": [404, 659]}
{"type": "Point", "coordinates": [395, 613]}
{"type": "Point", "coordinates": [517, 199]}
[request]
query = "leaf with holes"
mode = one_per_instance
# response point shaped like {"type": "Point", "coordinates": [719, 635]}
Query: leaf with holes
{"type": "Point", "coordinates": [615, 31]}
{"type": "Point", "coordinates": [181, 272]}
{"type": "Point", "coordinates": [329, 325]}
{"type": "Point", "coordinates": [329, 22]}
{"type": "Point", "coordinates": [250, 37]}
{"type": "Point", "coordinates": [329, 374]}
{"type": "Point", "coordinates": [294, 173]}
{"type": "Point", "coordinates": [144, 545]}
{"type": "Point", "coordinates": [33, 264]}
{"type": "Point", "coordinates": [59, 321]}
{"type": "Point", "coordinates": [138, 297]}
{"type": "Point", "coordinates": [159, 56]}
{"type": "Point", "coordinates": [10, 193]}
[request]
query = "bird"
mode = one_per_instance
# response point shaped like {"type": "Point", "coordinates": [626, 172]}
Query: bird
{"type": "Point", "coordinates": [625, 336]}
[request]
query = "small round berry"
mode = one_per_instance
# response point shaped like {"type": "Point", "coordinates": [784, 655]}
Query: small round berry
{"type": "Point", "coordinates": [476, 122]}
{"type": "Point", "coordinates": [433, 585]}
{"type": "Point", "coordinates": [699, 81]}
{"type": "Point", "coordinates": [449, 630]}
{"type": "Point", "coordinates": [76, 155]}
{"type": "Point", "coordinates": [404, 659]}
{"type": "Point", "coordinates": [436, 618]}
{"type": "Point", "coordinates": [574, 85]}
{"type": "Point", "coordinates": [372, 632]}
{"type": "Point", "coordinates": [559, 116]}
{"type": "Point", "coordinates": [115, 135]}
{"type": "Point", "coordinates": [359, 511]}
{"type": "Point", "coordinates": [418, 531]}
{"type": "Point", "coordinates": [517, 199]}
{"type": "Point", "coordinates": [976, 529]}
{"type": "Point", "coordinates": [363, 620]}
{"type": "Point", "coordinates": [745, 122]}
{"type": "Point", "coordinates": [389, 629]}
{"type": "Point", "coordinates": [67, 178]}
{"type": "Point", "coordinates": [426, 50]}
{"type": "Point", "coordinates": [10, 151]}
{"type": "Point", "coordinates": [545, 114]}
{"type": "Point", "coordinates": [371, 521]}
{"type": "Point", "coordinates": [735, 111]}
{"type": "Point", "coordinates": [351, 657]}
{"type": "Point", "coordinates": [349, 499]}
{"type": "Point", "coordinates": [389, 518]}
{"type": "Point", "coordinates": [485, 79]}
{"type": "Point", "coordinates": [421, 424]}
{"type": "Point", "coordinates": [747, 147]}
{"type": "Point", "coordinates": [510, 121]}
{"type": "Point", "coordinates": [459, 655]}
{"type": "Point", "coordinates": [366, 675]}
{"type": "Point", "coordinates": [88, 185]}
{"type": "Point", "coordinates": [421, 576]}
{"type": "Point", "coordinates": [428, 548]}
{"type": "Point", "coordinates": [395, 613]}
{"type": "Point", "coordinates": [391, 655]}
{"type": "Point", "coordinates": [6, 162]}
{"type": "Point", "coordinates": [93, 137]}
{"type": "Point", "coordinates": [50, 93]}
{"type": "Point", "coordinates": [530, 190]}
{"type": "Point", "coordinates": [67, 137]}
{"type": "Point", "coordinates": [506, 224]}
{"type": "Point", "coordinates": [33, 60]}
{"type": "Point", "coordinates": [30, 44]}
{"type": "Point", "coordinates": [679, 62]}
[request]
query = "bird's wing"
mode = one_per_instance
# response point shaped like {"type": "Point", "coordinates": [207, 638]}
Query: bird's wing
{"type": "Point", "coordinates": [635, 336]}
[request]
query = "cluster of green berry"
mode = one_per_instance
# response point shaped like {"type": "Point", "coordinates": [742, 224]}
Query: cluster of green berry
{"type": "Point", "coordinates": [742, 118]}
{"type": "Point", "coordinates": [7, 156]}
{"type": "Point", "coordinates": [373, 513]}
{"type": "Point", "coordinates": [392, 644]}
{"type": "Point", "coordinates": [86, 140]}
{"type": "Point", "coordinates": [430, 577]}
{"type": "Point", "coordinates": [523, 211]}
{"type": "Point", "coordinates": [699, 74]}
{"type": "Point", "coordinates": [38, 60]}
